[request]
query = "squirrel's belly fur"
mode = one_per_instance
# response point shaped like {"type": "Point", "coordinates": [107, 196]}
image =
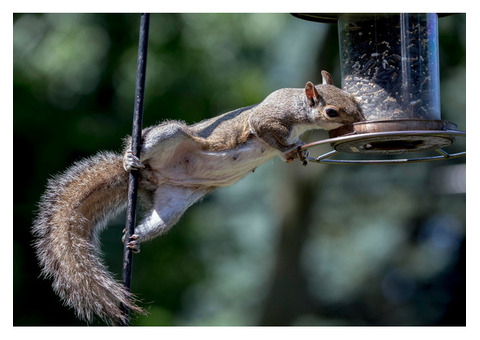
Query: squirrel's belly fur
{"type": "Point", "coordinates": [66, 231]}
{"type": "Point", "coordinates": [206, 168]}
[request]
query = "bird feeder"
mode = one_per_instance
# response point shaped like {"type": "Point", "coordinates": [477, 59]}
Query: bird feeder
{"type": "Point", "coordinates": [390, 64]}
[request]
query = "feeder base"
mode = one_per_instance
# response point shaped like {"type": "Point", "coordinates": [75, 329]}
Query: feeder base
{"type": "Point", "coordinates": [381, 136]}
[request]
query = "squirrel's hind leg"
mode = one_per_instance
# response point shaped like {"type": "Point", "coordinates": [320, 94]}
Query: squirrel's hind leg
{"type": "Point", "coordinates": [170, 202]}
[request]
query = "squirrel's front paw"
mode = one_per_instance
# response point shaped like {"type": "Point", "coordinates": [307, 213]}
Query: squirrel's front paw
{"type": "Point", "coordinates": [131, 162]}
{"type": "Point", "coordinates": [134, 243]}
{"type": "Point", "coordinates": [302, 155]}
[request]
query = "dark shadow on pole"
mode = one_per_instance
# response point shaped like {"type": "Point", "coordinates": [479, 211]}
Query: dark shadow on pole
{"type": "Point", "coordinates": [136, 144]}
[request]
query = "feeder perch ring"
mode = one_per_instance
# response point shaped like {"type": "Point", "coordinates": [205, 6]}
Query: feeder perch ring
{"type": "Point", "coordinates": [390, 142]}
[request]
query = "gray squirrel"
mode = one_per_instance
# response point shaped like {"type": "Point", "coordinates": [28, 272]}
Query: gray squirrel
{"type": "Point", "coordinates": [178, 165]}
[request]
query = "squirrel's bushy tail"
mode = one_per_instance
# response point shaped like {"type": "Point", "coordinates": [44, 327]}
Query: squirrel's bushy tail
{"type": "Point", "coordinates": [75, 206]}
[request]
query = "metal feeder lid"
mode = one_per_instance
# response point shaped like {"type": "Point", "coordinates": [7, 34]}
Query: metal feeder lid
{"type": "Point", "coordinates": [332, 18]}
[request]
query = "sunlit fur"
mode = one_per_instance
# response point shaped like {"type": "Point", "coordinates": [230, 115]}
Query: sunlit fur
{"type": "Point", "coordinates": [181, 165]}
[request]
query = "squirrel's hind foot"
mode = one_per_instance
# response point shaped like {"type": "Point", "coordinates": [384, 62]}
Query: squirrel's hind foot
{"type": "Point", "coordinates": [131, 162]}
{"type": "Point", "coordinates": [134, 243]}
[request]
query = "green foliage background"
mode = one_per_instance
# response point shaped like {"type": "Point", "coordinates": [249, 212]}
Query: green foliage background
{"type": "Point", "coordinates": [287, 245]}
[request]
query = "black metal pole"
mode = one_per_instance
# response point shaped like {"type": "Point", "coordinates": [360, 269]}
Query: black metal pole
{"type": "Point", "coordinates": [136, 144]}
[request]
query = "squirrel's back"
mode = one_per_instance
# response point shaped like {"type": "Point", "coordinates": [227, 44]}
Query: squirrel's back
{"type": "Point", "coordinates": [75, 206]}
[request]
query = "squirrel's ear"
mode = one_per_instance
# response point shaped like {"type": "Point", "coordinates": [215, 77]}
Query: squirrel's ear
{"type": "Point", "coordinates": [311, 93]}
{"type": "Point", "coordinates": [326, 78]}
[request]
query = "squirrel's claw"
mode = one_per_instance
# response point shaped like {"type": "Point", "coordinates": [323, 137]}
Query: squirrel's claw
{"type": "Point", "coordinates": [131, 162]}
{"type": "Point", "coordinates": [302, 155]}
{"type": "Point", "coordinates": [134, 244]}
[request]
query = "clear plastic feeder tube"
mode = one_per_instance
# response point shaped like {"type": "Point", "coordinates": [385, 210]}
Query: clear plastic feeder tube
{"type": "Point", "coordinates": [390, 64]}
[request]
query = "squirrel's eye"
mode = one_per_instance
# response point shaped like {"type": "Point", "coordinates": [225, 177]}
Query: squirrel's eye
{"type": "Point", "coordinates": [332, 113]}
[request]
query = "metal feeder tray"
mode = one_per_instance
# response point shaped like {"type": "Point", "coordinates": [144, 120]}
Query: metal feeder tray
{"type": "Point", "coordinates": [387, 138]}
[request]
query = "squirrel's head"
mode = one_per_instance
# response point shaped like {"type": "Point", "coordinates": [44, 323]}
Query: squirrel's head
{"type": "Point", "coordinates": [331, 106]}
